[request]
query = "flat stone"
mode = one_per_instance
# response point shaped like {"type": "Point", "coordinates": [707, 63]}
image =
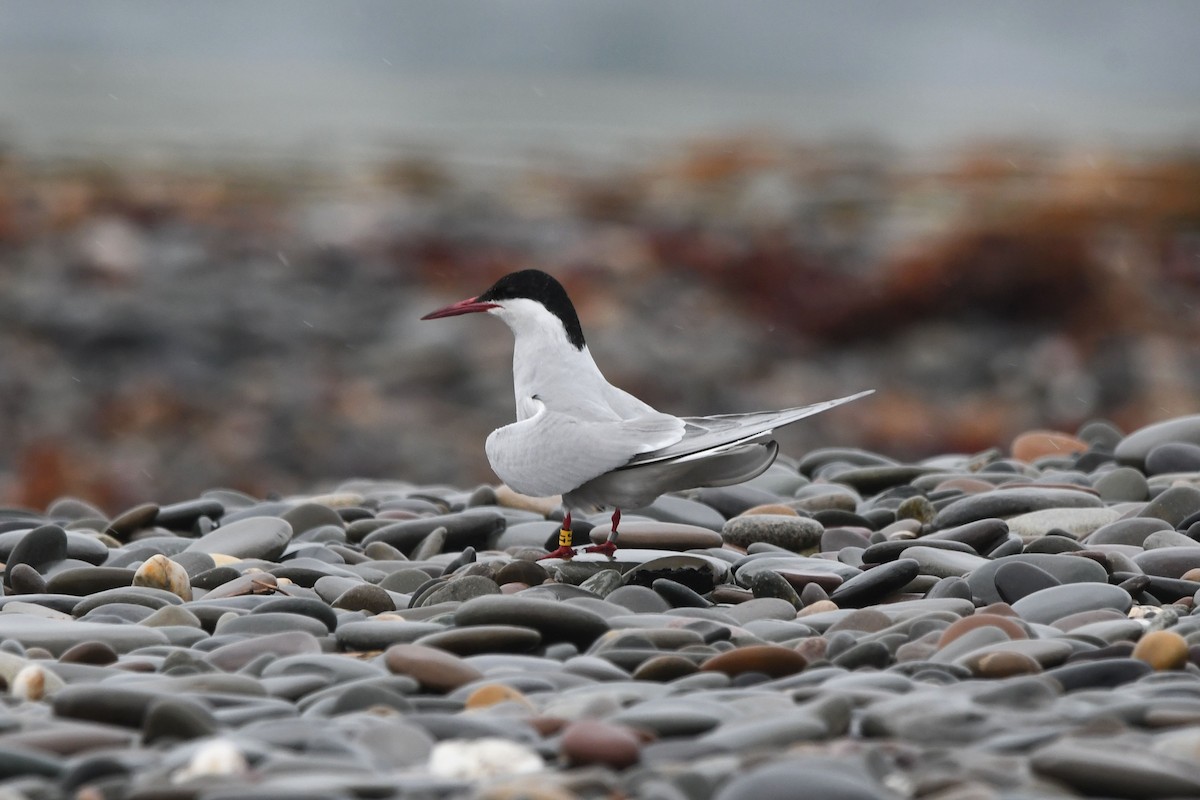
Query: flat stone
{"type": "Point", "coordinates": [436, 670]}
{"type": "Point", "coordinates": [476, 527]}
{"type": "Point", "coordinates": [1114, 769]}
{"type": "Point", "coordinates": [252, 537]}
{"type": "Point", "coordinates": [771, 660]}
{"type": "Point", "coordinates": [380, 633]}
{"type": "Point", "coordinates": [1174, 505]}
{"type": "Point", "coordinates": [1170, 457]}
{"type": "Point", "coordinates": [1032, 445]}
{"type": "Point", "coordinates": [481, 639]}
{"type": "Point", "coordinates": [1162, 650]}
{"type": "Point", "coordinates": [1078, 522]}
{"type": "Point", "coordinates": [1122, 484]}
{"type": "Point", "coordinates": [595, 742]}
{"type": "Point", "coordinates": [943, 563]}
{"type": "Point", "coordinates": [1168, 562]}
{"type": "Point", "coordinates": [1047, 605]}
{"type": "Point", "coordinates": [1010, 503]}
{"type": "Point", "coordinates": [1066, 568]}
{"type": "Point", "coordinates": [1135, 447]}
{"type": "Point", "coordinates": [661, 535]}
{"type": "Point", "coordinates": [1131, 531]}
{"type": "Point", "coordinates": [39, 548]}
{"type": "Point", "coordinates": [876, 584]}
{"type": "Point", "coordinates": [555, 621]}
{"type": "Point", "coordinates": [59, 636]}
{"type": "Point", "coordinates": [797, 534]}
{"type": "Point", "coordinates": [1018, 579]}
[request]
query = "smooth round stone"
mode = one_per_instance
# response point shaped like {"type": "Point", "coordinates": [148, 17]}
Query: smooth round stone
{"type": "Point", "coordinates": [982, 535]}
{"type": "Point", "coordinates": [58, 636]}
{"type": "Point", "coordinates": [461, 589]}
{"type": "Point", "coordinates": [768, 583]}
{"type": "Point", "coordinates": [677, 595]}
{"type": "Point", "coordinates": [434, 669]}
{"type": "Point", "coordinates": [308, 515]}
{"type": "Point", "coordinates": [881, 552]}
{"type": "Point", "coordinates": [491, 694]}
{"type": "Point", "coordinates": [1168, 562]}
{"type": "Point", "coordinates": [1123, 484]}
{"type": "Point", "coordinates": [481, 639]}
{"type": "Point", "coordinates": [768, 659]}
{"type": "Point", "coordinates": [133, 520]}
{"type": "Point", "coordinates": [1172, 457]}
{"type": "Point", "coordinates": [1162, 650]}
{"type": "Point", "coordinates": [182, 516]}
{"type": "Point", "coordinates": [1032, 445]}
{"type": "Point", "coordinates": [84, 581]}
{"type": "Point", "coordinates": [1136, 447]}
{"type": "Point", "coordinates": [835, 539]}
{"type": "Point", "coordinates": [72, 508]}
{"type": "Point", "coordinates": [405, 581]}
{"type": "Point", "coordinates": [251, 537]}
{"type": "Point", "coordinates": [819, 778]}
{"type": "Point", "coordinates": [381, 633]}
{"type": "Point", "coordinates": [365, 597]}
{"type": "Point", "coordinates": [660, 535]}
{"type": "Point", "coordinates": [172, 616]}
{"type": "Point", "coordinates": [1009, 627]}
{"type": "Point", "coordinates": [876, 584]}
{"type": "Point", "coordinates": [160, 572]}
{"type": "Point", "coordinates": [80, 546]}
{"type": "Point", "coordinates": [235, 655]}
{"type": "Point", "coordinates": [1019, 579]}
{"type": "Point", "coordinates": [1078, 522]}
{"type": "Point", "coordinates": [1066, 568]}
{"type": "Point", "coordinates": [873, 479]}
{"type": "Point", "coordinates": [1047, 605]}
{"type": "Point", "coordinates": [557, 622]}
{"type": "Point", "coordinates": [476, 527]}
{"type": "Point", "coordinates": [866, 620]}
{"type": "Point", "coordinates": [956, 588]}
{"type": "Point", "coordinates": [943, 563]}
{"type": "Point", "coordinates": [1110, 769]}
{"type": "Point", "coordinates": [1046, 652]}
{"type": "Point", "coordinates": [1173, 505]}
{"type": "Point", "coordinates": [540, 534]}
{"type": "Point", "coordinates": [1011, 502]}
{"type": "Point", "coordinates": [24, 579]}
{"type": "Point", "coordinates": [595, 742]}
{"type": "Point", "coordinates": [173, 719]}
{"type": "Point", "coordinates": [669, 508]}
{"type": "Point", "coordinates": [262, 624]}
{"type": "Point", "coordinates": [1132, 531]}
{"type": "Point", "coordinates": [638, 599]}
{"type": "Point", "coordinates": [529, 573]}
{"type": "Point", "coordinates": [729, 501]}
{"type": "Point", "coordinates": [796, 534]}
{"type": "Point", "coordinates": [760, 608]}
{"type": "Point", "coordinates": [39, 548]}
{"type": "Point", "coordinates": [1168, 538]}
{"type": "Point", "coordinates": [93, 652]}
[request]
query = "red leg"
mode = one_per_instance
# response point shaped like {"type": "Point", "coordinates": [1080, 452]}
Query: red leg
{"type": "Point", "coordinates": [565, 550]}
{"type": "Point", "coordinates": [609, 547]}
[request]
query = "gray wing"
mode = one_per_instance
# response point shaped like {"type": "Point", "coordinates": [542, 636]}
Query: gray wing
{"type": "Point", "coordinates": [704, 435]}
{"type": "Point", "coordinates": [552, 452]}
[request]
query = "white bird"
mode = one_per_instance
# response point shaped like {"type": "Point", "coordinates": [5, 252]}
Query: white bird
{"type": "Point", "coordinates": [599, 446]}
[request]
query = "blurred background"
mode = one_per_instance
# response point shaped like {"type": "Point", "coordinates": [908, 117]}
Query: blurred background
{"type": "Point", "coordinates": [220, 223]}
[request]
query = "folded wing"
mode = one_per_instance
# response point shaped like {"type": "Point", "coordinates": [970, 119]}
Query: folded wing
{"type": "Point", "coordinates": [703, 436]}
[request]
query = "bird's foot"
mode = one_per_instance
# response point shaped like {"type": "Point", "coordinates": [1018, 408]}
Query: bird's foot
{"type": "Point", "coordinates": [564, 551]}
{"type": "Point", "coordinates": [607, 548]}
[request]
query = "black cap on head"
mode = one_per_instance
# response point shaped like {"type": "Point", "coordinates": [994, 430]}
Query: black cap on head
{"type": "Point", "coordinates": [533, 284]}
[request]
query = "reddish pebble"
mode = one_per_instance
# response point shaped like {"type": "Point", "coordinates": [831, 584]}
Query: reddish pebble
{"type": "Point", "coordinates": [1012, 629]}
{"type": "Point", "coordinates": [769, 659]}
{"type": "Point", "coordinates": [1032, 445]}
{"type": "Point", "coordinates": [590, 741]}
{"type": "Point", "coordinates": [436, 670]}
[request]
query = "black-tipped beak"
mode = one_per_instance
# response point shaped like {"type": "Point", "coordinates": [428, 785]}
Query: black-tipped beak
{"type": "Point", "coordinates": [469, 306]}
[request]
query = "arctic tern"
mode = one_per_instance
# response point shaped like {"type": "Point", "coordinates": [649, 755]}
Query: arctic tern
{"type": "Point", "coordinates": [578, 436]}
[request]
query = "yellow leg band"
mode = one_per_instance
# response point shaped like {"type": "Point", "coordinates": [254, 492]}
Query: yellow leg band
{"type": "Point", "coordinates": [564, 538]}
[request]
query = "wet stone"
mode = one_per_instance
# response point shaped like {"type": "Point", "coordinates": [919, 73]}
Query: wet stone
{"type": "Point", "coordinates": [876, 584]}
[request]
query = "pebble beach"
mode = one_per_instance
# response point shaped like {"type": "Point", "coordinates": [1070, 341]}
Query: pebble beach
{"type": "Point", "coordinates": [1016, 623]}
